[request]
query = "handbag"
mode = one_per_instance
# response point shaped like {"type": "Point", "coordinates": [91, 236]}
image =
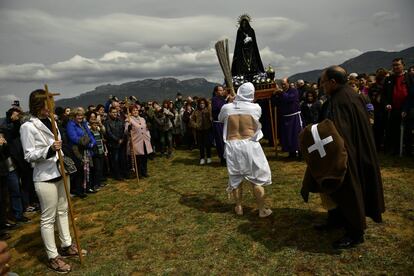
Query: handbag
{"type": "Point", "coordinates": [68, 164]}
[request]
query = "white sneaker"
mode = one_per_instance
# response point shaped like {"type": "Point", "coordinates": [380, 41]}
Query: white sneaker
{"type": "Point", "coordinates": [202, 161]}
{"type": "Point", "coordinates": [208, 160]}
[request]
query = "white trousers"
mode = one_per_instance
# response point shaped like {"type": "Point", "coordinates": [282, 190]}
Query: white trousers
{"type": "Point", "coordinates": [246, 160]}
{"type": "Point", "coordinates": [54, 206]}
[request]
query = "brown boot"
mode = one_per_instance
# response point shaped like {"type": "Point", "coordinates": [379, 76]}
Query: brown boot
{"type": "Point", "coordinates": [59, 265]}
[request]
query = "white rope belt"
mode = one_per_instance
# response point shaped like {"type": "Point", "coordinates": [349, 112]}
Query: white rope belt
{"type": "Point", "coordinates": [292, 114]}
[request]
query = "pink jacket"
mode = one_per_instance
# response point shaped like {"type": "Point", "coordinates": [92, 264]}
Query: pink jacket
{"type": "Point", "coordinates": [140, 135]}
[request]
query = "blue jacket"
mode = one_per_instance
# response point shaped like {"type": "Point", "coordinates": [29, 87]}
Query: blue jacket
{"type": "Point", "coordinates": [75, 133]}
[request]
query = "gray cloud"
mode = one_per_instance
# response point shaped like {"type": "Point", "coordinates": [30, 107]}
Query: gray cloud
{"type": "Point", "coordinates": [165, 61]}
{"type": "Point", "coordinates": [77, 45]}
{"type": "Point", "coordinates": [384, 18]}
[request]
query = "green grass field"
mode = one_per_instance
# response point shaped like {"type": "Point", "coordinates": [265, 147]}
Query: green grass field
{"type": "Point", "coordinates": [181, 222]}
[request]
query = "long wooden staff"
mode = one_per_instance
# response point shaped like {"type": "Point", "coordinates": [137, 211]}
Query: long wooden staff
{"type": "Point", "coordinates": [133, 156]}
{"type": "Point", "coordinates": [272, 123]}
{"type": "Point", "coordinates": [276, 139]}
{"type": "Point", "coordinates": [50, 105]}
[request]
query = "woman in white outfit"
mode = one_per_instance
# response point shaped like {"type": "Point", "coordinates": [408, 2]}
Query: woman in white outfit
{"type": "Point", "coordinates": [40, 149]}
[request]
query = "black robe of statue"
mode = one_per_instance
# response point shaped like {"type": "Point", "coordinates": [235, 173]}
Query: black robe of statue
{"type": "Point", "coordinates": [361, 192]}
{"type": "Point", "coordinates": [246, 58]}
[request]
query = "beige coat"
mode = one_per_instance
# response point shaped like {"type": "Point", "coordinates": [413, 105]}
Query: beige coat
{"type": "Point", "coordinates": [140, 135]}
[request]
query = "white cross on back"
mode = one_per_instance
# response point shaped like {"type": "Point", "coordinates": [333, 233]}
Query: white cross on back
{"type": "Point", "coordinates": [319, 144]}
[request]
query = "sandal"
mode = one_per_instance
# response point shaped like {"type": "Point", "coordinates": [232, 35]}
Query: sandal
{"type": "Point", "coordinates": [59, 265]}
{"type": "Point", "coordinates": [238, 210]}
{"type": "Point", "coordinates": [71, 251]}
{"type": "Point", "coordinates": [265, 213]}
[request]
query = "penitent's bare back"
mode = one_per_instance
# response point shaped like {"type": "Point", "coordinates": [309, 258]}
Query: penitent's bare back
{"type": "Point", "coordinates": [240, 126]}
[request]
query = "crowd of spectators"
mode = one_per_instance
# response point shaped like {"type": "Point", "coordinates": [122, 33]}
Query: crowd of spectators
{"type": "Point", "coordinates": [105, 140]}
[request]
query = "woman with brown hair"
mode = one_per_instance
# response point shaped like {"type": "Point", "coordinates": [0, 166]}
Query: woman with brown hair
{"type": "Point", "coordinates": [40, 149]}
{"type": "Point", "coordinates": [201, 120]}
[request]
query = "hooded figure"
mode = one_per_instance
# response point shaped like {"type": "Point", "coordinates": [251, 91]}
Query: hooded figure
{"type": "Point", "coordinates": [246, 58]}
{"type": "Point", "coordinates": [243, 152]}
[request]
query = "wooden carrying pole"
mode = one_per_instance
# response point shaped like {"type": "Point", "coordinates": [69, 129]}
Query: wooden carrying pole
{"type": "Point", "coordinates": [133, 156]}
{"type": "Point", "coordinates": [272, 122]}
{"type": "Point", "coordinates": [276, 138]}
{"type": "Point", "coordinates": [50, 105]}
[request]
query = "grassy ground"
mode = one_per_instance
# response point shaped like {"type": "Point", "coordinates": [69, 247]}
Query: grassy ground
{"type": "Point", "coordinates": [180, 222]}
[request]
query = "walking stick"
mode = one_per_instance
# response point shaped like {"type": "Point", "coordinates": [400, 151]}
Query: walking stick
{"type": "Point", "coordinates": [273, 124]}
{"type": "Point", "coordinates": [108, 170]}
{"type": "Point", "coordinates": [50, 105]}
{"type": "Point", "coordinates": [133, 156]}
{"type": "Point", "coordinates": [401, 138]}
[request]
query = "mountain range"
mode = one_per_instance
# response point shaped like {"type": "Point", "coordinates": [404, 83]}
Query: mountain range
{"type": "Point", "coordinates": [143, 90]}
{"type": "Point", "coordinates": [167, 88]}
{"type": "Point", "coordinates": [367, 63]}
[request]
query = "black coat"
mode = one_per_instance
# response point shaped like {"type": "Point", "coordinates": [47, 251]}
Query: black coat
{"type": "Point", "coordinates": [4, 154]}
{"type": "Point", "coordinates": [15, 149]}
{"type": "Point", "coordinates": [310, 114]}
{"type": "Point", "coordinates": [361, 192]}
{"type": "Point", "coordinates": [115, 130]}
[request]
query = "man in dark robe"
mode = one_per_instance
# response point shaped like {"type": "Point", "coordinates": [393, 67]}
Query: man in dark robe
{"type": "Point", "coordinates": [360, 194]}
{"type": "Point", "coordinates": [287, 102]}
{"type": "Point", "coordinates": [217, 101]}
{"type": "Point", "coordinates": [246, 58]}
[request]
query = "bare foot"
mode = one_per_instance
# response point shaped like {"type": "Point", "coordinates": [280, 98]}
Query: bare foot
{"type": "Point", "coordinates": [265, 213]}
{"type": "Point", "coordinates": [239, 210]}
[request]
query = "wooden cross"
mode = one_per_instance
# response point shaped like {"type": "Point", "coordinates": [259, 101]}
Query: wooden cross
{"type": "Point", "coordinates": [50, 102]}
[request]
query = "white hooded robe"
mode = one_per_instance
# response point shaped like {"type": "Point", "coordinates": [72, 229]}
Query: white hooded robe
{"type": "Point", "coordinates": [245, 158]}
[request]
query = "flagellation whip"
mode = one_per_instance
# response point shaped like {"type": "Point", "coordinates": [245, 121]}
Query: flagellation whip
{"type": "Point", "coordinates": [222, 51]}
{"type": "Point", "coordinates": [50, 105]}
{"type": "Point", "coordinates": [133, 156]}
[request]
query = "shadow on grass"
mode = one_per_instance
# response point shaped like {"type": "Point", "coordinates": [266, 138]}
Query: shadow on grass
{"type": "Point", "coordinates": [201, 201]}
{"type": "Point", "coordinates": [290, 227]}
{"type": "Point", "coordinates": [205, 202]}
{"type": "Point", "coordinates": [286, 227]}
{"type": "Point", "coordinates": [32, 245]}
{"type": "Point", "coordinates": [195, 162]}
{"type": "Point", "coordinates": [187, 161]}
{"type": "Point", "coordinates": [394, 161]}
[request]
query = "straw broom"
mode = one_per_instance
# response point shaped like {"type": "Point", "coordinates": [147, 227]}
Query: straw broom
{"type": "Point", "coordinates": [222, 51]}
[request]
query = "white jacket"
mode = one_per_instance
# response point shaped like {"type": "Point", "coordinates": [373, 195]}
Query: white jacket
{"type": "Point", "coordinates": [36, 139]}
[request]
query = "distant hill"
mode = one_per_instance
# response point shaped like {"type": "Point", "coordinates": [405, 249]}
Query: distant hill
{"type": "Point", "coordinates": [144, 90]}
{"type": "Point", "coordinates": [368, 62]}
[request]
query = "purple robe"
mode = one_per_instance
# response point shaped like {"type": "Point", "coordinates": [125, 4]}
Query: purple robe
{"type": "Point", "coordinates": [217, 103]}
{"type": "Point", "coordinates": [289, 119]}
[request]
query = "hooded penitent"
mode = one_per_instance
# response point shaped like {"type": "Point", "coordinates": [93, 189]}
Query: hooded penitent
{"type": "Point", "coordinates": [245, 158]}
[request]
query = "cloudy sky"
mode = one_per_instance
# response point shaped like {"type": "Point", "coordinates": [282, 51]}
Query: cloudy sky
{"type": "Point", "coordinates": [76, 45]}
